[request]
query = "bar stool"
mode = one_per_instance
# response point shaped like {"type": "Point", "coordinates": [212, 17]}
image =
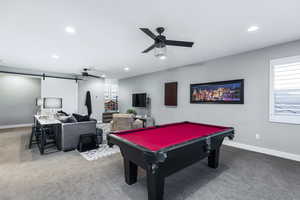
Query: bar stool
{"type": "Point", "coordinates": [44, 136]}
{"type": "Point", "coordinates": [34, 136]}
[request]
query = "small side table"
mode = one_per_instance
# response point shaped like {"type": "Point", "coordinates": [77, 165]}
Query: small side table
{"type": "Point", "coordinates": [145, 120]}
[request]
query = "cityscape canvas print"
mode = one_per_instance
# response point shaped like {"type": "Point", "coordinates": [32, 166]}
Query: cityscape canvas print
{"type": "Point", "coordinates": [225, 92]}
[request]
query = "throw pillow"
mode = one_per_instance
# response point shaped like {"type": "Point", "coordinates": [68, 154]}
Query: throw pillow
{"type": "Point", "coordinates": [67, 119]}
{"type": "Point", "coordinates": [62, 113]}
{"type": "Point", "coordinates": [81, 118]}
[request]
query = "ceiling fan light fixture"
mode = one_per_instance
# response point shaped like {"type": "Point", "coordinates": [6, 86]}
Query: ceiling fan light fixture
{"type": "Point", "coordinates": [163, 57]}
{"type": "Point", "coordinates": [160, 43]}
{"type": "Point", "coordinates": [160, 52]}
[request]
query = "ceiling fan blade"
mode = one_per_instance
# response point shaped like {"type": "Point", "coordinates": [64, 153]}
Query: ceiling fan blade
{"type": "Point", "coordinates": [149, 48]}
{"type": "Point", "coordinates": [94, 76]}
{"type": "Point", "coordinates": [179, 43]}
{"type": "Point", "coordinates": [148, 32]}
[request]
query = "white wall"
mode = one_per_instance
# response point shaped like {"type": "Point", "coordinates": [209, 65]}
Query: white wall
{"type": "Point", "coordinates": [62, 88]}
{"type": "Point", "coordinates": [96, 87]}
{"type": "Point", "coordinates": [248, 120]}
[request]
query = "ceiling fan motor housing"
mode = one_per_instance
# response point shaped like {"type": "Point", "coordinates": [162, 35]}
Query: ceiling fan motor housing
{"type": "Point", "coordinates": [85, 73]}
{"type": "Point", "coordinates": [160, 41]}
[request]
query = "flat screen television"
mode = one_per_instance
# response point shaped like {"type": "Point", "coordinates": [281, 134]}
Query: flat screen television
{"type": "Point", "coordinates": [139, 100]}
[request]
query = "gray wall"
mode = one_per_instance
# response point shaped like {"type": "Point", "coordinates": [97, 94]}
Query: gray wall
{"type": "Point", "coordinates": [17, 99]}
{"type": "Point", "coordinates": [96, 87]}
{"type": "Point", "coordinates": [248, 119]}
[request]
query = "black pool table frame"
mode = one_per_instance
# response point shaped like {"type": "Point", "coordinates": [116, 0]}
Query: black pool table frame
{"type": "Point", "coordinates": [166, 161]}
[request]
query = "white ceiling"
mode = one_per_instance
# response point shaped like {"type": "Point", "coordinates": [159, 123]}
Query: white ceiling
{"type": "Point", "coordinates": [108, 37]}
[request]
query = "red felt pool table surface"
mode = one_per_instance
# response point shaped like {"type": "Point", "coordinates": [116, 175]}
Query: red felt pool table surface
{"type": "Point", "coordinates": [168, 135]}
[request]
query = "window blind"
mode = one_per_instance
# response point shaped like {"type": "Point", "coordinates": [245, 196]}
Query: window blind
{"type": "Point", "coordinates": [286, 89]}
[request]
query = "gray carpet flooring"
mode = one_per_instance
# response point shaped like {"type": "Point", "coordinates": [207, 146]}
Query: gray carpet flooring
{"type": "Point", "coordinates": [25, 175]}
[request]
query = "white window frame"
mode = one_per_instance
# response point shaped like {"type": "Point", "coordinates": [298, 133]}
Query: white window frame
{"type": "Point", "coordinates": [272, 116]}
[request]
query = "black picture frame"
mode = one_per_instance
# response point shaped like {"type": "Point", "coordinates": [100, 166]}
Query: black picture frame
{"type": "Point", "coordinates": [214, 85]}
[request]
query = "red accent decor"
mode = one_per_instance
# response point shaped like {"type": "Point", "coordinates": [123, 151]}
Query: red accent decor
{"type": "Point", "coordinates": [156, 138]}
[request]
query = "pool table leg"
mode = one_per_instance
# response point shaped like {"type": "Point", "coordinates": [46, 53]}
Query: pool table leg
{"type": "Point", "coordinates": [130, 172]}
{"type": "Point", "coordinates": [213, 158]}
{"type": "Point", "coordinates": [155, 185]}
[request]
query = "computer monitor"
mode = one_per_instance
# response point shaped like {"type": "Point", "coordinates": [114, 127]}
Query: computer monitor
{"type": "Point", "coordinates": [52, 103]}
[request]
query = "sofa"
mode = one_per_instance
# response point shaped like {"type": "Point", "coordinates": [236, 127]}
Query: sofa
{"type": "Point", "coordinates": [70, 133]}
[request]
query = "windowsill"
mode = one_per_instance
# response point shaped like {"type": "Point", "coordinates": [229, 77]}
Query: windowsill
{"type": "Point", "coordinates": [285, 119]}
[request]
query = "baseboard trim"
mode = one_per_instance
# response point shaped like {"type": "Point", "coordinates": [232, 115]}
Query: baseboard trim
{"type": "Point", "coordinates": [262, 150]}
{"type": "Point", "coordinates": [15, 126]}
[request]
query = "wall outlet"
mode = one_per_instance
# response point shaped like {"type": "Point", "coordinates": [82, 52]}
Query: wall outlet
{"type": "Point", "coordinates": [257, 136]}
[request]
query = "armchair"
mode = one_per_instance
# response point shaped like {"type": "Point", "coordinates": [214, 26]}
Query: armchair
{"type": "Point", "coordinates": [124, 122]}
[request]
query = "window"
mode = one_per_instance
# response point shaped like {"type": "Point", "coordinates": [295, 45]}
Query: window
{"type": "Point", "coordinates": [285, 90]}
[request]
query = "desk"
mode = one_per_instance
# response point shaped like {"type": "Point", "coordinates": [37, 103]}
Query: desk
{"type": "Point", "coordinates": [166, 149]}
{"type": "Point", "coordinates": [44, 121]}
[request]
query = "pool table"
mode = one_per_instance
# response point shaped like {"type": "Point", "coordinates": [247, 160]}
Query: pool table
{"type": "Point", "coordinates": [165, 149]}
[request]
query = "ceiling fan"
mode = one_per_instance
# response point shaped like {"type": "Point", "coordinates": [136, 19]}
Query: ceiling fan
{"type": "Point", "coordinates": [160, 42]}
{"type": "Point", "coordinates": [86, 73]}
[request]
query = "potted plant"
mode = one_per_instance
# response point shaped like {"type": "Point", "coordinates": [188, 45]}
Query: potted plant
{"type": "Point", "coordinates": [131, 111]}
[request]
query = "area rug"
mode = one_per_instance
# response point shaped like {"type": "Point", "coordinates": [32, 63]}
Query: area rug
{"type": "Point", "coordinates": [103, 151]}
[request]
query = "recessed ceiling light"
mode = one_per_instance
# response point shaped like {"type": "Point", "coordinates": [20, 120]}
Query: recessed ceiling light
{"type": "Point", "coordinates": [70, 30]}
{"type": "Point", "coordinates": [253, 28]}
{"type": "Point", "coordinates": [54, 56]}
{"type": "Point", "coordinates": [126, 69]}
{"type": "Point", "coordinates": [103, 75]}
{"type": "Point", "coordinates": [163, 57]}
